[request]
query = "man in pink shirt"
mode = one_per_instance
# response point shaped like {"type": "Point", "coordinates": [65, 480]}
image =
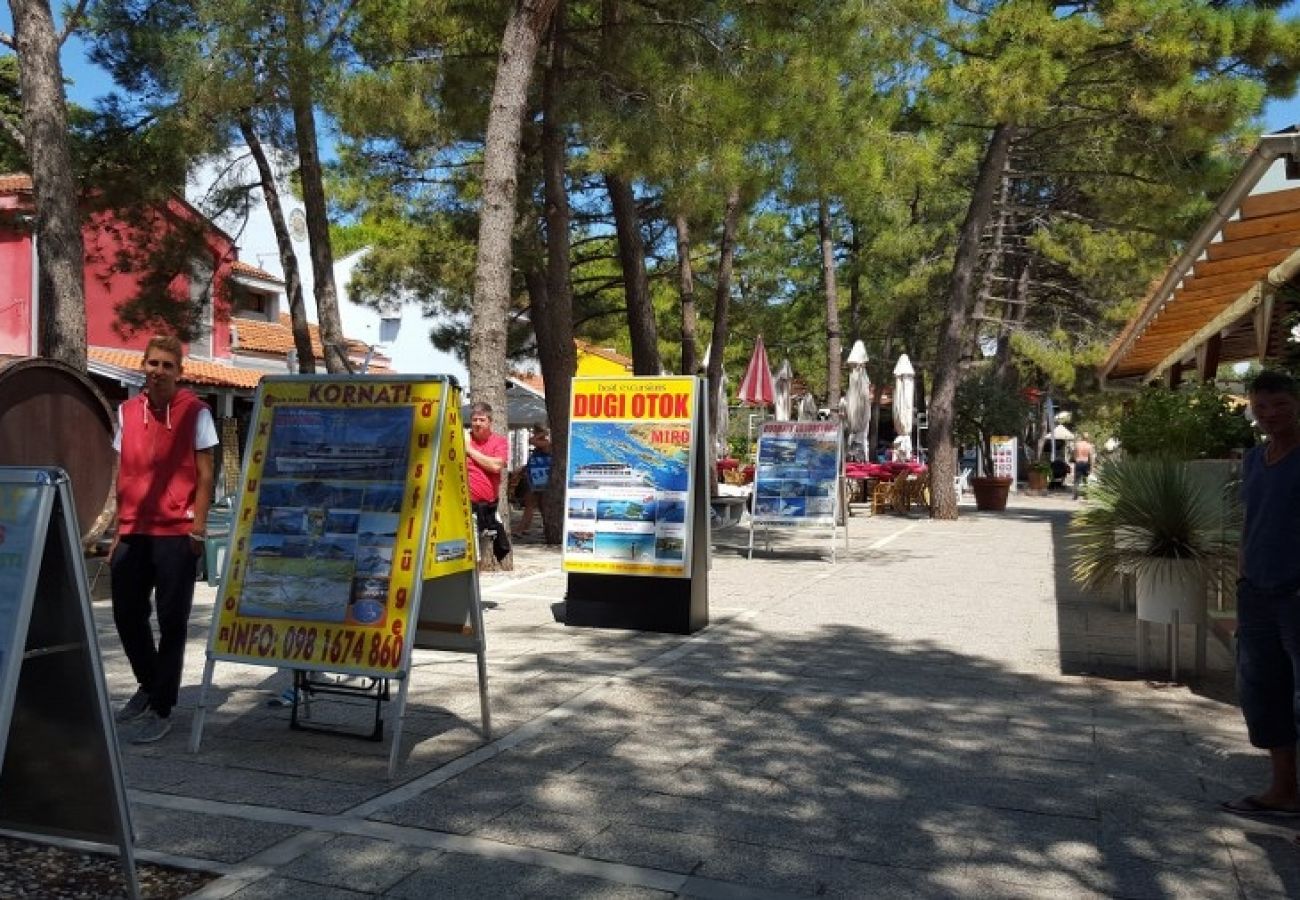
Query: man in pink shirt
{"type": "Point", "coordinates": [485, 460]}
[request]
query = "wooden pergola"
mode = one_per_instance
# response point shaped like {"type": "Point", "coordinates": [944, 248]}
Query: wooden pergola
{"type": "Point", "coordinates": [1219, 301]}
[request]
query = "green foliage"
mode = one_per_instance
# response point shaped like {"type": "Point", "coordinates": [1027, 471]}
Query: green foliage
{"type": "Point", "coordinates": [985, 406]}
{"type": "Point", "coordinates": [1142, 511]}
{"type": "Point", "coordinates": [1196, 423]}
{"type": "Point", "coordinates": [12, 158]}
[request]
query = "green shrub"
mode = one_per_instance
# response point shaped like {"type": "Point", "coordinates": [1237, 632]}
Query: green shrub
{"type": "Point", "coordinates": [1199, 423]}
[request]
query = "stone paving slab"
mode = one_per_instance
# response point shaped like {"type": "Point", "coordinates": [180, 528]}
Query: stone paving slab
{"type": "Point", "coordinates": [939, 713]}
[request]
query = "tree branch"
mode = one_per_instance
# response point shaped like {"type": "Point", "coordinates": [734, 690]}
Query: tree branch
{"type": "Point", "coordinates": [13, 131]}
{"type": "Point", "coordinates": [7, 40]}
{"type": "Point", "coordinates": [73, 20]}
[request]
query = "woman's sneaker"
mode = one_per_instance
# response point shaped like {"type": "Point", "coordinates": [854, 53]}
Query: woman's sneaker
{"type": "Point", "coordinates": [152, 727]}
{"type": "Point", "coordinates": [134, 708]}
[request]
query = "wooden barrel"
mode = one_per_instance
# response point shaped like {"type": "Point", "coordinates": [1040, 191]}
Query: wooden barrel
{"type": "Point", "coordinates": [53, 415]}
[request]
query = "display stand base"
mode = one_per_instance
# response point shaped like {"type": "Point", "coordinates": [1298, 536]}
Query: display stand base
{"type": "Point", "coordinates": [671, 605]}
{"type": "Point", "coordinates": [305, 688]}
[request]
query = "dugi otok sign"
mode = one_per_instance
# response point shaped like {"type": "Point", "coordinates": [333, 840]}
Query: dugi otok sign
{"type": "Point", "coordinates": [629, 482]}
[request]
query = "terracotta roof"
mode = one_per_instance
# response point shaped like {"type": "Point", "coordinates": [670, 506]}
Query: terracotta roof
{"type": "Point", "coordinates": [529, 380]}
{"type": "Point", "coordinates": [14, 184]}
{"type": "Point", "coordinates": [259, 336]}
{"type": "Point", "coordinates": [243, 268]}
{"type": "Point", "coordinates": [197, 371]}
{"type": "Point", "coordinates": [603, 352]}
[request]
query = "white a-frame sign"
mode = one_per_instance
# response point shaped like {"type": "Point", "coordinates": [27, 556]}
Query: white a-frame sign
{"type": "Point", "coordinates": [61, 774]}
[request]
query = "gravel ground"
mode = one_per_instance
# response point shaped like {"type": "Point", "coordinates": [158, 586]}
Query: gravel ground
{"type": "Point", "coordinates": [37, 870]}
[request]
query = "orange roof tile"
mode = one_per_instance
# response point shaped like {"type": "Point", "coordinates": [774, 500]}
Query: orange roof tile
{"type": "Point", "coordinates": [196, 371]}
{"type": "Point", "coordinates": [259, 336]}
{"type": "Point", "coordinates": [243, 268]}
{"type": "Point", "coordinates": [528, 379]}
{"type": "Point", "coordinates": [15, 183]}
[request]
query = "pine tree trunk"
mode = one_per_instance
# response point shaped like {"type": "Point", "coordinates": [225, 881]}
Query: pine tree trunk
{"type": "Point", "coordinates": [952, 333]}
{"type": "Point", "coordinates": [636, 285]}
{"type": "Point", "coordinates": [313, 198]}
{"type": "Point", "coordinates": [722, 298]}
{"type": "Point", "coordinates": [554, 328]}
{"type": "Point", "coordinates": [493, 263]}
{"type": "Point", "coordinates": [855, 279]}
{"type": "Point", "coordinates": [833, 347]}
{"type": "Point", "coordinates": [284, 243]}
{"type": "Point", "coordinates": [686, 288]}
{"type": "Point", "coordinates": [59, 248]}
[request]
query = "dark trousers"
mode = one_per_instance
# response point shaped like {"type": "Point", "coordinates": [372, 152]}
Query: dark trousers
{"type": "Point", "coordinates": [485, 519]}
{"type": "Point", "coordinates": [1268, 663]}
{"type": "Point", "coordinates": [164, 567]}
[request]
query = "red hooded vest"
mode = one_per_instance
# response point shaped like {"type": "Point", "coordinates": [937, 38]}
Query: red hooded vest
{"type": "Point", "coordinates": [157, 476]}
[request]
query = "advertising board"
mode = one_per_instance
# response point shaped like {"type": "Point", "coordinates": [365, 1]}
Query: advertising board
{"type": "Point", "coordinates": [330, 537]}
{"type": "Point", "coordinates": [629, 500]}
{"type": "Point", "coordinates": [796, 481]}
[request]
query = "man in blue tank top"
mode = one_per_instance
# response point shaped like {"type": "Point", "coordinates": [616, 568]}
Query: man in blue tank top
{"type": "Point", "coordinates": [1268, 592]}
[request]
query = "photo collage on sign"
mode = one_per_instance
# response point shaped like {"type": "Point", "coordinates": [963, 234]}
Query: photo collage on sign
{"type": "Point", "coordinates": [798, 471]}
{"type": "Point", "coordinates": [327, 515]}
{"type": "Point", "coordinates": [627, 492]}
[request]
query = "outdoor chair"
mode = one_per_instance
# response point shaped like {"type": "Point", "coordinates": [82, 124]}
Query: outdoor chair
{"type": "Point", "coordinates": [961, 483]}
{"type": "Point", "coordinates": [882, 497]}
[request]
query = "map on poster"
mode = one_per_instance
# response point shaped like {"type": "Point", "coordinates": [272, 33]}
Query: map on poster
{"type": "Point", "coordinates": [797, 479]}
{"type": "Point", "coordinates": [323, 556]}
{"type": "Point", "coordinates": [628, 500]}
{"type": "Point", "coordinates": [18, 506]}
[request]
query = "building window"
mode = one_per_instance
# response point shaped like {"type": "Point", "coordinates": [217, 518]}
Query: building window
{"type": "Point", "coordinates": [388, 329]}
{"type": "Point", "coordinates": [251, 303]}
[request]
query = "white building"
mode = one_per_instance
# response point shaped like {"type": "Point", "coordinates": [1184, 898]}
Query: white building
{"type": "Point", "coordinates": [401, 333]}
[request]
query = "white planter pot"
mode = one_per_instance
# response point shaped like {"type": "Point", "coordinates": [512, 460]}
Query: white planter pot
{"type": "Point", "coordinates": [1167, 586]}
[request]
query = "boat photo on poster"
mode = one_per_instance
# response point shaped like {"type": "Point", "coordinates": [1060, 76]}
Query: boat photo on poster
{"type": "Point", "coordinates": [327, 516]}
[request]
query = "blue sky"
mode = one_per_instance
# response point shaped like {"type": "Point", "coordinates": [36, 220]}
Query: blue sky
{"type": "Point", "coordinates": [89, 82]}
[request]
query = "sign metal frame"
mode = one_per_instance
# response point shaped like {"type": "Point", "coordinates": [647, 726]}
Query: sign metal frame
{"type": "Point", "coordinates": [55, 651]}
{"type": "Point", "coordinates": [435, 473]}
{"type": "Point", "coordinates": [834, 519]}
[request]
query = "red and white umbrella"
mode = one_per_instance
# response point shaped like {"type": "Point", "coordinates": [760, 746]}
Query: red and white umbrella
{"type": "Point", "coordinates": [756, 387]}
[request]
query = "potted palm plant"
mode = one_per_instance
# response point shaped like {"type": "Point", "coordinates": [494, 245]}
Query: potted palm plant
{"type": "Point", "coordinates": [1040, 473]}
{"type": "Point", "coordinates": [1163, 521]}
{"type": "Point", "coordinates": [985, 406]}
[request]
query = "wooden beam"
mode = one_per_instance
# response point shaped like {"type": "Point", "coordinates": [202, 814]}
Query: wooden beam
{"type": "Point", "coordinates": [1270, 203]}
{"type": "Point", "coordinates": [1263, 326]}
{"type": "Point", "coordinates": [1257, 227]}
{"type": "Point", "coordinates": [1241, 308]}
{"type": "Point", "coordinates": [1259, 263]}
{"type": "Point", "coordinates": [1286, 240]}
{"type": "Point", "coordinates": [1207, 357]}
{"type": "Point", "coordinates": [1231, 279]}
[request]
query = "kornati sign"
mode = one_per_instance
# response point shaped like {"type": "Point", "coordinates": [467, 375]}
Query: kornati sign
{"type": "Point", "coordinates": [629, 499]}
{"type": "Point", "coordinates": [330, 543]}
{"type": "Point", "coordinates": [797, 479]}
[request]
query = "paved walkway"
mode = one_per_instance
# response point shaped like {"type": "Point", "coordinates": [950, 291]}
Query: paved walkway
{"type": "Point", "coordinates": [939, 713]}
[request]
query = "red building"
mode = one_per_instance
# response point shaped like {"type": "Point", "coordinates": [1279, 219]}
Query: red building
{"type": "Point", "coordinates": [244, 327]}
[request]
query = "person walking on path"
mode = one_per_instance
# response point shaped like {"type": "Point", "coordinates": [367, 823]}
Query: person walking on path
{"type": "Point", "coordinates": [536, 475]}
{"type": "Point", "coordinates": [1268, 592]}
{"type": "Point", "coordinates": [486, 453]}
{"type": "Point", "coordinates": [1083, 454]}
{"type": "Point", "coordinates": [164, 441]}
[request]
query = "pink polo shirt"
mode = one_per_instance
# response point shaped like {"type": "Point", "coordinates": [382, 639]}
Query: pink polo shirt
{"type": "Point", "coordinates": [483, 486]}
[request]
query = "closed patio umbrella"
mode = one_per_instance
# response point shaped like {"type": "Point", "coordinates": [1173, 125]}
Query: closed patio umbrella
{"type": "Point", "coordinates": [858, 408]}
{"type": "Point", "coordinates": [807, 408]}
{"type": "Point", "coordinates": [903, 406]}
{"type": "Point", "coordinates": [781, 387]}
{"type": "Point", "coordinates": [723, 422]}
{"type": "Point", "coordinates": [756, 387]}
